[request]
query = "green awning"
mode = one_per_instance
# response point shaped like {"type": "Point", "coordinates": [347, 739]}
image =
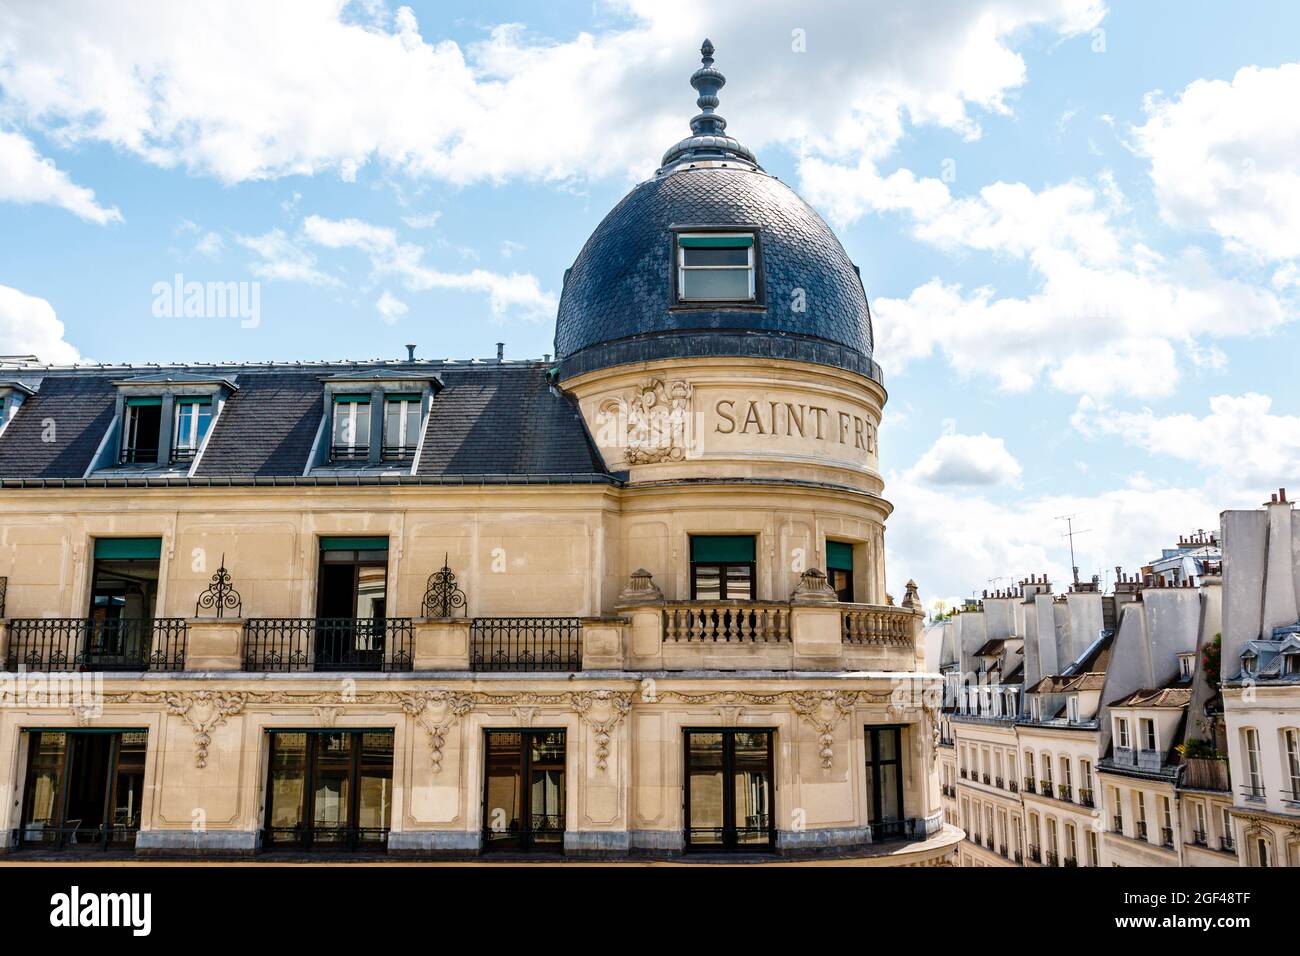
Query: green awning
{"type": "Point", "coordinates": [149, 400]}
{"type": "Point", "coordinates": [402, 397]}
{"type": "Point", "coordinates": [716, 242]}
{"type": "Point", "coordinates": [839, 556]}
{"type": "Point", "coordinates": [193, 399]}
{"type": "Point", "coordinates": [128, 548]}
{"type": "Point", "coordinates": [722, 548]}
{"type": "Point", "coordinates": [354, 544]}
{"type": "Point", "coordinates": [357, 399]}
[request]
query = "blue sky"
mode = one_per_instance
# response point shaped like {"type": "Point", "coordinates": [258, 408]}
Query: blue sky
{"type": "Point", "coordinates": [1078, 224]}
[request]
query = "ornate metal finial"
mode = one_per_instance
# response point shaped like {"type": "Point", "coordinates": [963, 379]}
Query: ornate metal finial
{"type": "Point", "coordinates": [221, 595]}
{"type": "Point", "coordinates": [441, 595]}
{"type": "Point", "coordinates": [708, 140]}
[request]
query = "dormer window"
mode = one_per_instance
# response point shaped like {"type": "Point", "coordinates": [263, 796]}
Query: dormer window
{"type": "Point", "coordinates": [715, 267]}
{"type": "Point", "coordinates": [1249, 662]}
{"type": "Point", "coordinates": [401, 427]}
{"type": "Point", "coordinates": [1072, 709]}
{"type": "Point", "coordinates": [1291, 663]}
{"type": "Point", "coordinates": [351, 432]}
{"type": "Point", "coordinates": [141, 430]}
{"type": "Point", "coordinates": [193, 416]}
{"type": "Point", "coordinates": [1186, 662]}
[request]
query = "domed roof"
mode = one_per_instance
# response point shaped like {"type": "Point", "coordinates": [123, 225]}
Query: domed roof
{"type": "Point", "coordinates": [619, 303]}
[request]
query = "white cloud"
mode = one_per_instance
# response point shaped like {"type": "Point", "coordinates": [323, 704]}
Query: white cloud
{"type": "Point", "coordinates": [390, 307]}
{"type": "Point", "coordinates": [298, 87]}
{"type": "Point", "coordinates": [423, 220]}
{"type": "Point", "coordinates": [1107, 315]}
{"type": "Point", "coordinates": [28, 177]}
{"type": "Point", "coordinates": [517, 295]}
{"type": "Point", "coordinates": [1241, 441]}
{"type": "Point", "coordinates": [280, 258]}
{"type": "Point", "coordinates": [1226, 157]}
{"type": "Point", "coordinates": [210, 245]}
{"type": "Point", "coordinates": [966, 460]}
{"type": "Point", "coordinates": [28, 326]}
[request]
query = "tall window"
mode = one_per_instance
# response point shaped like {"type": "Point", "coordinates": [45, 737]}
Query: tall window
{"type": "Point", "coordinates": [1072, 709]}
{"type": "Point", "coordinates": [1261, 852]}
{"type": "Point", "coordinates": [1148, 733]}
{"type": "Point", "coordinates": [884, 769]}
{"type": "Point", "coordinates": [1201, 827]}
{"type": "Point", "coordinates": [141, 429]}
{"type": "Point", "coordinates": [84, 789]}
{"type": "Point", "coordinates": [1047, 774]}
{"type": "Point", "coordinates": [351, 603]}
{"type": "Point", "coordinates": [1035, 833]}
{"type": "Point", "coordinates": [1166, 821]}
{"type": "Point", "coordinates": [123, 601]}
{"type": "Point", "coordinates": [1254, 774]}
{"type": "Point", "coordinates": [401, 427]}
{"type": "Point", "coordinates": [1092, 848]}
{"type": "Point", "coordinates": [350, 435]}
{"type": "Point", "coordinates": [1071, 843]}
{"type": "Point", "coordinates": [193, 416]}
{"type": "Point", "coordinates": [1085, 776]}
{"type": "Point", "coordinates": [839, 568]}
{"type": "Point", "coordinates": [524, 789]}
{"type": "Point", "coordinates": [1121, 731]}
{"type": "Point", "coordinates": [1141, 814]}
{"type": "Point", "coordinates": [1067, 776]}
{"type": "Point", "coordinates": [1029, 768]}
{"type": "Point", "coordinates": [722, 568]}
{"type": "Point", "coordinates": [1291, 742]}
{"type": "Point", "coordinates": [715, 267]}
{"type": "Point", "coordinates": [729, 790]}
{"type": "Point", "coordinates": [329, 789]}
{"type": "Point", "coordinates": [1051, 837]}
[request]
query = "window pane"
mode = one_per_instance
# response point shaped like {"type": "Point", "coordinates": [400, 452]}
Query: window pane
{"type": "Point", "coordinates": [740, 583]}
{"type": "Point", "coordinates": [716, 257]}
{"type": "Point", "coordinates": [727, 284]}
{"type": "Point", "coordinates": [705, 813]}
{"type": "Point", "coordinates": [130, 779]}
{"type": "Point", "coordinates": [332, 786]}
{"type": "Point", "coordinates": [708, 581]}
{"type": "Point", "coordinates": [376, 783]}
{"type": "Point", "coordinates": [288, 779]}
{"type": "Point", "coordinates": [43, 782]}
{"type": "Point", "coordinates": [752, 787]}
{"type": "Point", "coordinates": [503, 805]}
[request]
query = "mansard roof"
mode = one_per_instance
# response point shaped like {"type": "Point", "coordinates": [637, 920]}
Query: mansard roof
{"type": "Point", "coordinates": [499, 422]}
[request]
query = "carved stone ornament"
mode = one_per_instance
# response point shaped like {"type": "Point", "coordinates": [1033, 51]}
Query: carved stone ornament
{"type": "Point", "coordinates": [205, 711]}
{"type": "Point", "coordinates": [813, 588]}
{"type": "Point", "coordinates": [437, 712]}
{"type": "Point", "coordinates": [823, 711]}
{"type": "Point", "coordinates": [655, 424]}
{"type": "Point", "coordinates": [602, 711]}
{"type": "Point", "coordinates": [641, 589]}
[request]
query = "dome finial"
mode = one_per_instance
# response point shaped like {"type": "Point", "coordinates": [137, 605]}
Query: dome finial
{"type": "Point", "coordinates": [708, 139]}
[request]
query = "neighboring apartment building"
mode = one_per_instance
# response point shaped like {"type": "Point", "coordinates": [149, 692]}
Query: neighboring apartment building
{"type": "Point", "coordinates": [1115, 744]}
{"type": "Point", "coordinates": [452, 607]}
{"type": "Point", "coordinates": [1261, 688]}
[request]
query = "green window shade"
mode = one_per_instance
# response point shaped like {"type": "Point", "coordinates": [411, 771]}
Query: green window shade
{"type": "Point", "coordinates": [403, 397]}
{"type": "Point", "coordinates": [354, 544]}
{"type": "Point", "coordinates": [128, 548]}
{"type": "Point", "coordinates": [352, 399]}
{"type": "Point", "coordinates": [193, 400]}
{"type": "Point", "coordinates": [839, 556]}
{"type": "Point", "coordinates": [722, 548]}
{"type": "Point", "coordinates": [139, 402]}
{"type": "Point", "coordinates": [716, 242]}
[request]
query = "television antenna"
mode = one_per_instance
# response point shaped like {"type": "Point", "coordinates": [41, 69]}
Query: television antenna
{"type": "Point", "coordinates": [1070, 532]}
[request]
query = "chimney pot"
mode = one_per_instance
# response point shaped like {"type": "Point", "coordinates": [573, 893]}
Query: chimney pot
{"type": "Point", "coordinates": [410, 351]}
{"type": "Point", "coordinates": [501, 351]}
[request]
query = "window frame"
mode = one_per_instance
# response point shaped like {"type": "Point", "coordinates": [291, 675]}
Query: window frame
{"type": "Point", "coordinates": [411, 404]}
{"type": "Point", "coordinates": [680, 268]}
{"type": "Point", "coordinates": [198, 434]}
{"type": "Point", "coordinates": [354, 451]}
{"type": "Point", "coordinates": [129, 440]}
{"type": "Point", "coordinates": [730, 842]}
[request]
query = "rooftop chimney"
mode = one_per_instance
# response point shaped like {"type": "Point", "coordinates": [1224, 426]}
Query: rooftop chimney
{"type": "Point", "coordinates": [501, 351]}
{"type": "Point", "coordinates": [410, 351]}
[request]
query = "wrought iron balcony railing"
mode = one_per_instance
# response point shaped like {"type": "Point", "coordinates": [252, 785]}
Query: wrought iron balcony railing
{"type": "Point", "coordinates": [1013, 786]}
{"type": "Point", "coordinates": [998, 782]}
{"type": "Point", "coordinates": [726, 622]}
{"type": "Point", "coordinates": [397, 452]}
{"type": "Point", "coordinates": [1035, 855]}
{"type": "Point", "coordinates": [1198, 838]}
{"type": "Point", "coordinates": [1053, 858]}
{"type": "Point", "coordinates": [1030, 786]}
{"type": "Point", "coordinates": [90, 644]}
{"type": "Point", "coordinates": [287, 644]}
{"type": "Point", "coordinates": [1065, 792]}
{"type": "Point", "coordinates": [1166, 836]}
{"type": "Point", "coordinates": [1227, 845]}
{"type": "Point", "coordinates": [1118, 823]}
{"type": "Point", "coordinates": [1070, 861]}
{"type": "Point", "coordinates": [1045, 787]}
{"type": "Point", "coordinates": [986, 778]}
{"type": "Point", "coordinates": [1253, 792]}
{"type": "Point", "coordinates": [964, 774]}
{"type": "Point", "coordinates": [1085, 797]}
{"type": "Point", "coordinates": [1142, 830]}
{"type": "Point", "coordinates": [525, 644]}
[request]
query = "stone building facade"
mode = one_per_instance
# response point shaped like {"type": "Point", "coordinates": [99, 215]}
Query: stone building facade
{"type": "Point", "coordinates": [629, 602]}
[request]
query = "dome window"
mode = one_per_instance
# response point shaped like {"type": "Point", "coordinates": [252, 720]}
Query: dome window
{"type": "Point", "coordinates": [715, 267]}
